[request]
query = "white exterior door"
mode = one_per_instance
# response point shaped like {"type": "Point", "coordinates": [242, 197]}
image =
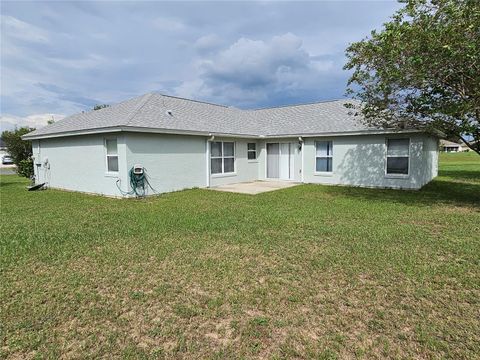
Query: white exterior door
{"type": "Point", "coordinates": [285, 161]}
{"type": "Point", "coordinates": [280, 161]}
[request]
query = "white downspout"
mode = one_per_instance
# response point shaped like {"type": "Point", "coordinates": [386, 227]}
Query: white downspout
{"type": "Point", "coordinates": [300, 139]}
{"type": "Point", "coordinates": [207, 158]}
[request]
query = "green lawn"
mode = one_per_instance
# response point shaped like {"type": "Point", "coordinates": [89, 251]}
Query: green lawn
{"type": "Point", "coordinates": [308, 272]}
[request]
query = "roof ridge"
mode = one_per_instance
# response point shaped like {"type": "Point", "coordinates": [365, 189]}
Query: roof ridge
{"type": "Point", "coordinates": [137, 108]}
{"type": "Point", "coordinates": [198, 101]}
{"type": "Point", "coordinates": [303, 104]}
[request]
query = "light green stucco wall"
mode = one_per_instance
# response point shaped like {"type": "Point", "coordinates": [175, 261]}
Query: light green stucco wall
{"type": "Point", "coordinates": [173, 162]}
{"type": "Point", "coordinates": [78, 163]}
{"type": "Point", "coordinates": [361, 161]}
{"type": "Point", "coordinates": [176, 162]}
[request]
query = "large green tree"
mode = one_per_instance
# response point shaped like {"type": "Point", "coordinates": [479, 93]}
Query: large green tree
{"type": "Point", "coordinates": [20, 150]}
{"type": "Point", "coordinates": [422, 70]}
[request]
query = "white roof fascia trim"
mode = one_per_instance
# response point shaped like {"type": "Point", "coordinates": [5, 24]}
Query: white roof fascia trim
{"type": "Point", "coordinates": [133, 129]}
{"type": "Point", "coordinates": [72, 133]}
{"type": "Point", "coordinates": [347, 133]}
{"type": "Point", "coordinates": [210, 133]}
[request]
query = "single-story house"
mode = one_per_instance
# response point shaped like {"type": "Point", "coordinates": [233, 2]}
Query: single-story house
{"type": "Point", "coordinates": [450, 146]}
{"type": "Point", "coordinates": [185, 144]}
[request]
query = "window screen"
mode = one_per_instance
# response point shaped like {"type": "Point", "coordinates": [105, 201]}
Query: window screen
{"type": "Point", "coordinates": [112, 155]}
{"type": "Point", "coordinates": [251, 151]}
{"type": "Point", "coordinates": [323, 156]}
{"type": "Point", "coordinates": [397, 156]}
{"type": "Point", "coordinates": [222, 157]}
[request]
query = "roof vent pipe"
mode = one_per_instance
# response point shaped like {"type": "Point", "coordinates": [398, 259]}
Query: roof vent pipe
{"type": "Point", "coordinates": [169, 112]}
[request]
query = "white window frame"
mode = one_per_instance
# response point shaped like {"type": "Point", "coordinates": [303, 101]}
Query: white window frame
{"type": "Point", "coordinates": [322, 173]}
{"type": "Point", "coordinates": [252, 151]}
{"type": "Point", "coordinates": [107, 155]}
{"type": "Point", "coordinates": [387, 156]}
{"type": "Point", "coordinates": [223, 157]}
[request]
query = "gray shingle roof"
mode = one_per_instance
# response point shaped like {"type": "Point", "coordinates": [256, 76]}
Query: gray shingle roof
{"type": "Point", "coordinates": [316, 118]}
{"type": "Point", "coordinates": [150, 111]}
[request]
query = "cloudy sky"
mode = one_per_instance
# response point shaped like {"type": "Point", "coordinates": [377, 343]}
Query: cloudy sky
{"type": "Point", "coordinates": [59, 58]}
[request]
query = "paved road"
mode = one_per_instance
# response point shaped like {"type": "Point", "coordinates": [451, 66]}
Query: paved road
{"type": "Point", "coordinates": [7, 170]}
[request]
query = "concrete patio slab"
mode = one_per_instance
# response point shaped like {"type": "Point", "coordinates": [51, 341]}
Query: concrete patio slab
{"type": "Point", "coordinates": [255, 187]}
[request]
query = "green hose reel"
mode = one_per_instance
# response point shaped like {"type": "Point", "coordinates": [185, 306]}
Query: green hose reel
{"type": "Point", "coordinates": [138, 182]}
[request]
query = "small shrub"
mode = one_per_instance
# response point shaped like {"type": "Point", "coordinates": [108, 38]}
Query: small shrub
{"type": "Point", "coordinates": [25, 168]}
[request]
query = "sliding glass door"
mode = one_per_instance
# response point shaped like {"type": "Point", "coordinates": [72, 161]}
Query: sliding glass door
{"type": "Point", "coordinates": [273, 161]}
{"type": "Point", "coordinates": [280, 161]}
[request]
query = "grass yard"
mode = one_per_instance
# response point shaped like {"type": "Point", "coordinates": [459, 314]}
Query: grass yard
{"type": "Point", "coordinates": [306, 272]}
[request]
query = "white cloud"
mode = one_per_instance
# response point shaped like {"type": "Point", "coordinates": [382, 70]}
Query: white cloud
{"type": "Point", "coordinates": [253, 70]}
{"type": "Point", "coordinates": [10, 122]}
{"type": "Point", "coordinates": [22, 30]}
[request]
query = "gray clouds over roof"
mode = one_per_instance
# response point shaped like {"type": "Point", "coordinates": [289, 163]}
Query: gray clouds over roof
{"type": "Point", "coordinates": [63, 57]}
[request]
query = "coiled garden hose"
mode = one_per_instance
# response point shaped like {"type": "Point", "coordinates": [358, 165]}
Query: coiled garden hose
{"type": "Point", "coordinates": [138, 182]}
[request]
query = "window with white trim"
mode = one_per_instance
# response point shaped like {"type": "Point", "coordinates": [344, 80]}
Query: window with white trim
{"type": "Point", "coordinates": [222, 157]}
{"type": "Point", "coordinates": [252, 151]}
{"type": "Point", "coordinates": [112, 155]}
{"type": "Point", "coordinates": [398, 156]}
{"type": "Point", "coordinates": [323, 156]}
